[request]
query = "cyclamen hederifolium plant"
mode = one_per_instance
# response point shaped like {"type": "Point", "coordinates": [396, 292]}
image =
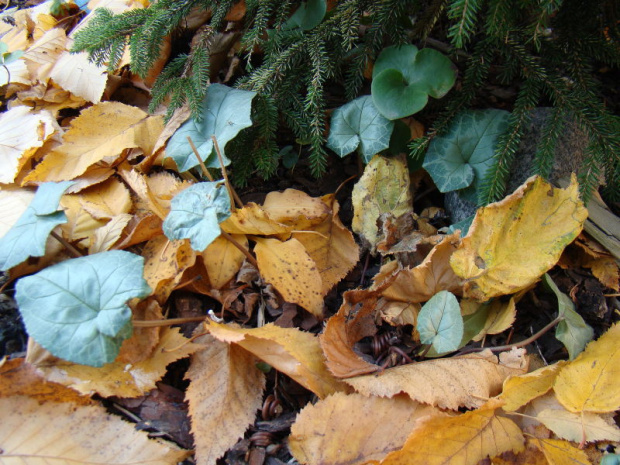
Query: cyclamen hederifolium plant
{"type": "Point", "coordinates": [76, 309]}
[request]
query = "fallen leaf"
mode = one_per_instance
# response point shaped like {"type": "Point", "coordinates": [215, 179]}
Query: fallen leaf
{"type": "Point", "coordinates": [289, 268]}
{"type": "Point", "coordinates": [224, 393]}
{"type": "Point", "coordinates": [77, 74]}
{"type": "Point", "coordinates": [41, 56]}
{"type": "Point", "coordinates": [558, 452]}
{"type": "Point", "coordinates": [579, 427]}
{"type": "Point", "coordinates": [252, 219]}
{"type": "Point", "coordinates": [222, 259]}
{"type": "Point", "coordinates": [106, 200]}
{"type": "Point", "coordinates": [521, 389]}
{"type": "Point", "coordinates": [500, 255]}
{"type": "Point", "coordinates": [120, 378]}
{"type": "Point", "coordinates": [295, 208]}
{"type": "Point", "coordinates": [590, 382]}
{"type": "Point", "coordinates": [81, 434]}
{"type": "Point", "coordinates": [500, 317]}
{"type": "Point", "coordinates": [463, 381]}
{"type": "Point", "coordinates": [289, 350]}
{"type": "Point", "coordinates": [143, 340]}
{"type": "Point", "coordinates": [465, 439]}
{"type": "Point", "coordinates": [384, 187]}
{"type": "Point", "coordinates": [106, 236]}
{"type": "Point", "coordinates": [353, 429]}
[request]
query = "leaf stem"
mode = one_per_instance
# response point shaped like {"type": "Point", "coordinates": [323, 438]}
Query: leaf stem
{"type": "Point", "coordinates": [75, 252]}
{"type": "Point", "coordinates": [522, 343]}
{"type": "Point", "coordinates": [167, 322]}
{"type": "Point", "coordinates": [203, 167]}
{"type": "Point", "coordinates": [231, 191]}
{"type": "Point", "coordinates": [243, 250]}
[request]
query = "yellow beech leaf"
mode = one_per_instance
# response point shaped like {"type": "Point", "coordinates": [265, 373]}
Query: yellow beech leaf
{"type": "Point", "coordinates": [139, 184]}
{"type": "Point", "coordinates": [42, 55]}
{"type": "Point", "coordinates": [519, 390]}
{"type": "Point", "coordinates": [13, 203]}
{"type": "Point", "coordinates": [354, 429]}
{"type": "Point", "coordinates": [164, 263]}
{"type": "Point", "coordinates": [289, 268]}
{"type": "Point", "coordinates": [513, 242]}
{"type": "Point", "coordinates": [383, 188]}
{"type": "Point", "coordinates": [579, 427]}
{"type": "Point", "coordinates": [501, 316]}
{"type": "Point", "coordinates": [106, 200]}
{"type": "Point", "coordinates": [48, 97]}
{"type": "Point", "coordinates": [224, 394]}
{"type": "Point", "coordinates": [462, 440]}
{"type": "Point", "coordinates": [164, 186]}
{"type": "Point", "coordinates": [222, 259]}
{"type": "Point", "coordinates": [80, 434]}
{"type": "Point", "coordinates": [558, 452]}
{"type": "Point", "coordinates": [252, 219]}
{"type": "Point", "coordinates": [143, 339]}
{"type": "Point", "coordinates": [289, 350]}
{"type": "Point", "coordinates": [22, 132]}
{"type": "Point", "coordinates": [333, 249]}
{"type": "Point", "coordinates": [590, 382]}
{"type": "Point", "coordinates": [295, 208]}
{"type": "Point", "coordinates": [80, 224]}
{"type": "Point", "coordinates": [106, 236]}
{"type": "Point", "coordinates": [463, 381]}
{"type": "Point", "coordinates": [77, 74]}
{"type": "Point", "coordinates": [605, 269]}
{"type": "Point", "coordinates": [101, 132]}
{"type": "Point", "coordinates": [434, 274]}
{"type": "Point", "coordinates": [119, 378]}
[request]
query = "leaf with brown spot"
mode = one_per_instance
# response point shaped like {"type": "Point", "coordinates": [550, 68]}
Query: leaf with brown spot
{"type": "Point", "coordinates": [223, 260]}
{"type": "Point", "coordinates": [296, 208]}
{"type": "Point", "coordinates": [252, 219]}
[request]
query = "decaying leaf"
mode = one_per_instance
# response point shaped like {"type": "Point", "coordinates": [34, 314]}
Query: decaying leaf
{"type": "Point", "coordinates": [354, 429]}
{"type": "Point", "coordinates": [224, 393]}
{"type": "Point", "coordinates": [500, 255]}
{"type": "Point", "coordinates": [81, 434]}
{"type": "Point", "coordinates": [463, 381]}
{"type": "Point", "coordinates": [289, 350]}
{"type": "Point", "coordinates": [465, 439]}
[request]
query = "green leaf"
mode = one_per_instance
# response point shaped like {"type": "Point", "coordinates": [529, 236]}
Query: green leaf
{"type": "Point", "coordinates": [29, 234]}
{"type": "Point", "coordinates": [403, 78]}
{"type": "Point", "coordinates": [77, 309]}
{"type": "Point", "coordinates": [463, 156]}
{"type": "Point", "coordinates": [308, 15]}
{"type": "Point", "coordinates": [196, 214]}
{"type": "Point", "coordinates": [226, 111]}
{"type": "Point", "coordinates": [8, 58]}
{"type": "Point", "coordinates": [573, 332]}
{"type": "Point", "coordinates": [610, 459]}
{"type": "Point", "coordinates": [440, 322]}
{"type": "Point", "coordinates": [359, 124]}
{"type": "Point", "coordinates": [289, 157]}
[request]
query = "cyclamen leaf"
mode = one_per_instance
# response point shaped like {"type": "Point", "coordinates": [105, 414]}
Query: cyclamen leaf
{"type": "Point", "coordinates": [359, 124]}
{"type": "Point", "coordinates": [440, 322]}
{"type": "Point", "coordinates": [77, 309]}
{"type": "Point", "coordinates": [29, 234]}
{"type": "Point", "coordinates": [196, 214]}
{"type": "Point", "coordinates": [465, 154]}
{"type": "Point", "coordinates": [572, 331]}
{"type": "Point", "coordinates": [226, 111]}
{"type": "Point", "coordinates": [308, 15]}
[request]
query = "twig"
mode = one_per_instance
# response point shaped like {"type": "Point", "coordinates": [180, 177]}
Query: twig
{"type": "Point", "coordinates": [75, 252]}
{"type": "Point", "coordinates": [168, 322]}
{"type": "Point", "coordinates": [243, 250]}
{"type": "Point", "coordinates": [203, 167]}
{"type": "Point", "coordinates": [523, 343]}
{"type": "Point", "coordinates": [231, 191]}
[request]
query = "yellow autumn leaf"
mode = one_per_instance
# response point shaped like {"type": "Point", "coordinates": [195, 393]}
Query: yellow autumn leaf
{"type": "Point", "coordinates": [47, 97]}
{"type": "Point", "coordinates": [77, 74]}
{"type": "Point", "coordinates": [222, 259]}
{"type": "Point", "coordinates": [383, 188]}
{"type": "Point", "coordinates": [139, 184]}
{"type": "Point", "coordinates": [80, 434]}
{"type": "Point", "coordinates": [289, 350]}
{"type": "Point", "coordinates": [462, 440]}
{"type": "Point", "coordinates": [101, 132]}
{"type": "Point", "coordinates": [289, 268]}
{"type": "Point", "coordinates": [559, 452]}
{"type": "Point", "coordinates": [42, 55]}
{"type": "Point", "coordinates": [354, 429]}
{"type": "Point", "coordinates": [13, 203]}
{"type": "Point", "coordinates": [331, 246]}
{"type": "Point", "coordinates": [521, 389]}
{"type": "Point", "coordinates": [106, 236]}
{"type": "Point", "coordinates": [590, 382]}
{"type": "Point", "coordinates": [80, 225]}
{"type": "Point", "coordinates": [513, 242]}
{"type": "Point", "coordinates": [106, 200]}
{"type": "Point", "coordinates": [450, 383]}
{"type": "Point", "coordinates": [224, 394]}
{"type": "Point", "coordinates": [295, 208]}
{"type": "Point", "coordinates": [252, 219]}
{"type": "Point", "coordinates": [501, 316]}
{"type": "Point", "coordinates": [579, 427]}
{"type": "Point", "coordinates": [164, 263]}
{"type": "Point", "coordinates": [22, 132]}
{"type": "Point", "coordinates": [119, 378]}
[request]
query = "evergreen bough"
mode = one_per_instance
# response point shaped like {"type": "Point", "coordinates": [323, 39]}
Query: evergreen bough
{"type": "Point", "coordinates": [548, 49]}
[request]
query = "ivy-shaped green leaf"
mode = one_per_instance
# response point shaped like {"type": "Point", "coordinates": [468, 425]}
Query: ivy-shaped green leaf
{"type": "Point", "coordinates": [403, 77]}
{"type": "Point", "coordinates": [196, 214]}
{"type": "Point", "coordinates": [440, 322]}
{"type": "Point", "coordinates": [572, 331]}
{"type": "Point", "coordinates": [226, 111]}
{"type": "Point", "coordinates": [358, 124]}
{"type": "Point", "coordinates": [462, 157]}
{"type": "Point", "coordinates": [29, 234]}
{"type": "Point", "coordinates": [77, 309]}
{"type": "Point", "coordinates": [308, 15]}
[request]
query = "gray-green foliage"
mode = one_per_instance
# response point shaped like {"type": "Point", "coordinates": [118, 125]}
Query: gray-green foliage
{"type": "Point", "coordinates": [463, 156]}
{"type": "Point", "coordinates": [77, 309]}
{"type": "Point", "coordinates": [440, 322]}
